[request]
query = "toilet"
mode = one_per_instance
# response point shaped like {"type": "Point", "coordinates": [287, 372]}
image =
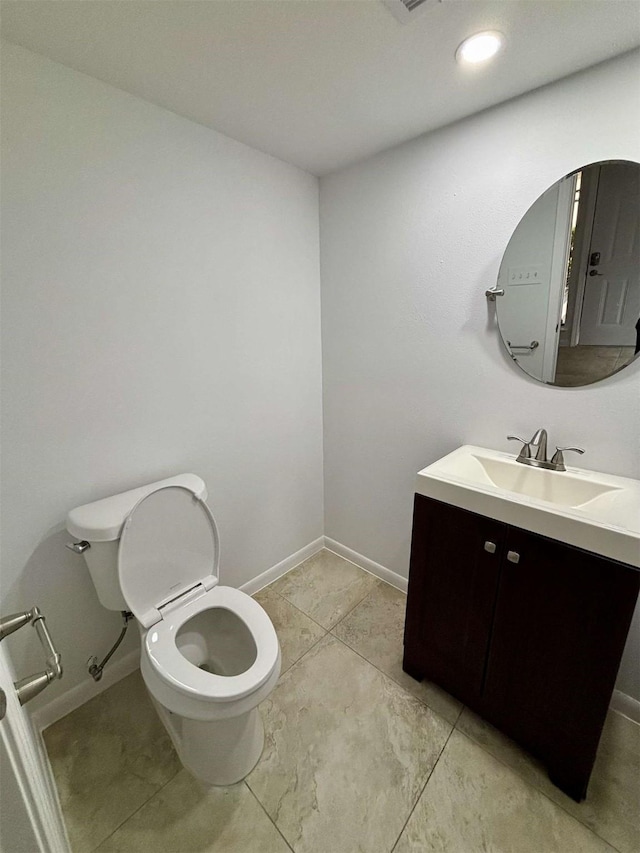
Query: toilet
{"type": "Point", "coordinates": [209, 653]}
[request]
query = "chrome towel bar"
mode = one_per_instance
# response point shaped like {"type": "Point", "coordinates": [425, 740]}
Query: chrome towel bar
{"type": "Point", "coordinates": [30, 686]}
{"type": "Point", "coordinates": [533, 345]}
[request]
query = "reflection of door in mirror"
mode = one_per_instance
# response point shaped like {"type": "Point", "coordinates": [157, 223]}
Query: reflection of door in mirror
{"type": "Point", "coordinates": [570, 276]}
{"type": "Point", "coordinates": [599, 330]}
{"type": "Point", "coordinates": [533, 275]}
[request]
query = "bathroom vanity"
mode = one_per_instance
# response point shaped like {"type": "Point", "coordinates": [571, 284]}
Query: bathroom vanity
{"type": "Point", "coordinates": [521, 593]}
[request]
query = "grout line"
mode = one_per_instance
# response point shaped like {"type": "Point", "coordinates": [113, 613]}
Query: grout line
{"type": "Point", "coordinates": [533, 785]}
{"type": "Point", "coordinates": [358, 603]}
{"type": "Point", "coordinates": [349, 612]}
{"type": "Point", "coordinates": [295, 606]}
{"type": "Point", "coordinates": [344, 616]}
{"type": "Point", "coordinates": [296, 662]}
{"type": "Point", "coordinates": [312, 646]}
{"type": "Point", "coordinates": [384, 674]}
{"type": "Point", "coordinates": [397, 683]}
{"type": "Point", "coordinates": [141, 806]}
{"type": "Point", "coordinates": [422, 790]}
{"type": "Point", "coordinates": [255, 796]}
{"type": "Point", "coordinates": [454, 725]}
{"type": "Point", "coordinates": [305, 652]}
{"type": "Point", "coordinates": [460, 713]}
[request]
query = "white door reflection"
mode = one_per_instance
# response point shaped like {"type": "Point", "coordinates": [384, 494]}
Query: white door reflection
{"type": "Point", "coordinates": [571, 278]}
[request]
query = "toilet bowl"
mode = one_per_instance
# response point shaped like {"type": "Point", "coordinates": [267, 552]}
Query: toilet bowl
{"type": "Point", "coordinates": [207, 666]}
{"type": "Point", "coordinates": [209, 653]}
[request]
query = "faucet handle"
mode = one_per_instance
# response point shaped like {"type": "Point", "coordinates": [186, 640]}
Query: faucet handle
{"type": "Point", "coordinates": [525, 453]}
{"type": "Point", "coordinates": [557, 459]}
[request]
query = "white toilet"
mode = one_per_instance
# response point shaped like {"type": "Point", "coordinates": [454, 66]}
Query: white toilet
{"type": "Point", "coordinates": [210, 653]}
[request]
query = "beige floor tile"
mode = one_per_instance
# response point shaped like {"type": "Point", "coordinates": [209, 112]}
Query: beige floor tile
{"type": "Point", "coordinates": [502, 747]}
{"type": "Point", "coordinates": [186, 818]}
{"type": "Point", "coordinates": [375, 630]}
{"type": "Point", "coordinates": [612, 806]}
{"type": "Point", "coordinates": [325, 587]}
{"type": "Point", "coordinates": [594, 372]}
{"type": "Point", "coordinates": [585, 364]}
{"type": "Point", "coordinates": [296, 632]}
{"type": "Point", "coordinates": [347, 752]}
{"type": "Point", "coordinates": [474, 804]}
{"type": "Point", "coordinates": [626, 356]}
{"type": "Point", "coordinates": [571, 380]}
{"type": "Point", "coordinates": [586, 356]}
{"type": "Point", "coordinates": [108, 757]}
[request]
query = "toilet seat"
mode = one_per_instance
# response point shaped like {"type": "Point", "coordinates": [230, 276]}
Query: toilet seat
{"type": "Point", "coordinates": [169, 546]}
{"type": "Point", "coordinates": [170, 664]}
{"type": "Point", "coordinates": [167, 564]}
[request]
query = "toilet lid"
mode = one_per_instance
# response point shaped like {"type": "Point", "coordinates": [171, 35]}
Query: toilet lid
{"type": "Point", "coordinates": [169, 544]}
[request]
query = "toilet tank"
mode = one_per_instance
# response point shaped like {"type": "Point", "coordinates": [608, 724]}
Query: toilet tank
{"type": "Point", "coordinates": [100, 524]}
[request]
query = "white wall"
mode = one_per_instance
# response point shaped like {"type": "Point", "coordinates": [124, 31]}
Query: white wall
{"type": "Point", "coordinates": [161, 314]}
{"type": "Point", "coordinates": [412, 362]}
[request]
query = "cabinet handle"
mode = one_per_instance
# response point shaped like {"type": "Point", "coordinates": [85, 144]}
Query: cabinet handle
{"type": "Point", "coordinates": [513, 556]}
{"type": "Point", "coordinates": [490, 547]}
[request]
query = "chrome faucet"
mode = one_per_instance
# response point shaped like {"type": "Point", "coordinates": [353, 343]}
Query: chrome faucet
{"type": "Point", "coordinates": [539, 441]}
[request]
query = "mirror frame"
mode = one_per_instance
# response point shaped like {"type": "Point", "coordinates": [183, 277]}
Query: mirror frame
{"type": "Point", "coordinates": [571, 201]}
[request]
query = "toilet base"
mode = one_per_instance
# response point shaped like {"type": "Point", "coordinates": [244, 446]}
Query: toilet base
{"type": "Point", "coordinates": [216, 752]}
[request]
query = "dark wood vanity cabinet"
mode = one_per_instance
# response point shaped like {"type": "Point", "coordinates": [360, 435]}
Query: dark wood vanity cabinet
{"type": "Point", "coordinates": [526, 631]}
{"type": "Point", "coordinates": [453, 583]}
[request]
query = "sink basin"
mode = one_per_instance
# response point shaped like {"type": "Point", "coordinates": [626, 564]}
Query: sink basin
{"type": "Point", "coordinates": [594, 511]}
{"type": "Point", "coordinates": [558, 487]}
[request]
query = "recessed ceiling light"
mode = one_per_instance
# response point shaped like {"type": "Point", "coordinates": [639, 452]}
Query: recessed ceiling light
{"type": "Point", "coordinates": [480, 47]}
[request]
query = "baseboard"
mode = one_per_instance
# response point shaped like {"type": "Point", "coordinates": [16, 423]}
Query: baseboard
{"type": "Point", "coordinates": [365, 563]}
{"type": "Point", "coordinates": [626, 705]}
{"type": "Point", "coordinates": [62, 705]}
{"type": "Point", "coordinates": [620, 702]}
{"type": "Point", "coordinates": [284, 566]}
{"type": "Point", "coordinates": [59, 707]}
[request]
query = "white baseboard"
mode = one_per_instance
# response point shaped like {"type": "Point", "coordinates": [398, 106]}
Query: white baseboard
{"type": "Point", "coordinates": [62, 705]}
{"type": "Point", "coordinates": [50, 713]}
{"type": "Point", "coordinates": [365, 563]}
{"type": "Point", "coordinates": [284, 566]}
{"type": "Point", "coordinates": [620, 702]}
{"type": "Point", "coordinates": [626, 705]}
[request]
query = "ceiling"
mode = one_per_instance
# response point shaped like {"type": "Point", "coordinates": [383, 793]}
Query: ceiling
{"type": "Point", "coordinates": [320, 83]}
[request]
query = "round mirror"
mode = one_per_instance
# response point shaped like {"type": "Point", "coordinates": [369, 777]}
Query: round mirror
{"type": "Point", "coordinates": [568, 294]}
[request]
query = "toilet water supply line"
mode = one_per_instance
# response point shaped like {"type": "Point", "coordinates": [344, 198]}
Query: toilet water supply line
{"type": "Point", "coordinates": [95, 668]}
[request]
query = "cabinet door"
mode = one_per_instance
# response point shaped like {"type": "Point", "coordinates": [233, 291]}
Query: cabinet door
{"type": "Point", "coordinates": [455, 564]}
{"type": "Point", "coordinates": [561, 621]}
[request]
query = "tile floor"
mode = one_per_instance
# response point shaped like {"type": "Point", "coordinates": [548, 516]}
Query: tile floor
{"type": "Point", "coordinates": [582, 365]}
{"type": "Point", "coordinates": [358, 758]}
